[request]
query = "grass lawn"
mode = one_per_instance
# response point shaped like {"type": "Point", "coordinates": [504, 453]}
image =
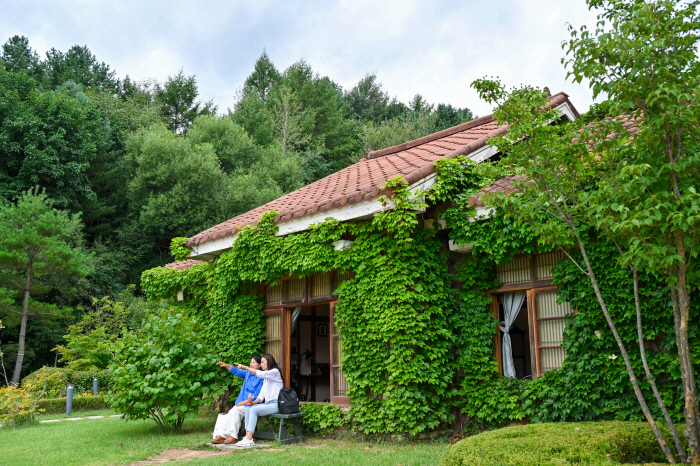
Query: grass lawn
{"type": "Point", "coordinates": [116, 441]}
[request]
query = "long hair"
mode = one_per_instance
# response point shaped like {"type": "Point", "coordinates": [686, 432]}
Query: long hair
{"type": "Point", "coordinates": [272, 364]}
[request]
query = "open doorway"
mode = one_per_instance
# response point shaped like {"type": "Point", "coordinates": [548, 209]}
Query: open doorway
{"type": "Point", "coordinates": [309, 348]}
{"type": "Point", "coordinates": [519, 338]}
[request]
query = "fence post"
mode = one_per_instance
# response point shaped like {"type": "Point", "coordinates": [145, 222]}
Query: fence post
{"type": "Point", "coordinates": [94, 386]}
{"type": "Point", "coordinates": [69, 399]}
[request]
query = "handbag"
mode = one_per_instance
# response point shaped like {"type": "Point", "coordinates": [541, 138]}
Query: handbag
{"type": "Point", "coordinates": [287, 401]}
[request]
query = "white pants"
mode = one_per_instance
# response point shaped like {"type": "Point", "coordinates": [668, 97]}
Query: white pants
{"type": "Point", "coordinates": [229, 424]}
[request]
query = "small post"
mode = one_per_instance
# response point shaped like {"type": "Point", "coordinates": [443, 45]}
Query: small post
{"type": "Point", "coordinates": [69, 399]}
{"type": "Point", "coordinates": [94, 386]}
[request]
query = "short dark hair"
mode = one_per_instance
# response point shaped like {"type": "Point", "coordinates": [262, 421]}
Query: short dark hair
{"type": "Point", "coordinates": [257, 358]}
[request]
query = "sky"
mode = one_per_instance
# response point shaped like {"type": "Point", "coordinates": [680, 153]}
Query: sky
{"type": "Point", "coordinates": [435, 48]}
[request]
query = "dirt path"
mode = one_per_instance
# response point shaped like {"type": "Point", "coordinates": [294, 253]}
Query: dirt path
{"type": "Point", "coordinates": [180, 454]}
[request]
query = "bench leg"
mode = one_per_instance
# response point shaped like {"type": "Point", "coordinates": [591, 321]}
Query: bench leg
{"type": "Point", "coordinates": [297, 430]}
{"type": "Point", "coordinates": [282, 438]}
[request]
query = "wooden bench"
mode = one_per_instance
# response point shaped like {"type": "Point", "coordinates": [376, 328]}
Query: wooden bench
{"type": "Point", "coordinates": [283, 437]}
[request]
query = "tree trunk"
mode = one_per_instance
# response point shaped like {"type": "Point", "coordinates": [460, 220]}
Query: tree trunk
{"type": "Point", "coordinates": [623, 352]}
{"type": "Point", "coordinates": [647, 371]}
{"type": "Point", "coordinates": [681, 308]}
{"type": "Point", "coordinates": [22, 329]}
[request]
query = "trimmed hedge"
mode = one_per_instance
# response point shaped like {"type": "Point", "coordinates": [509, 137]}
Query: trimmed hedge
{"type": "Point", "coordinates": [59, 378]}
{"type": "Point", "coordinates": [82, 403]}
{"type": "Point", "coordinates": [559, 443]}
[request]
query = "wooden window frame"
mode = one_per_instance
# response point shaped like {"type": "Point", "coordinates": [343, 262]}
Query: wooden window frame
{"type": "Point", "coordinates": [306, 300]}
{"type": "Point", "coordinates": [535, 343]}
{"type": "Point", "coordinates": [531, 294]}
{"type": "Point", "coordinates": [336, 400]}
{"type": "Point", "coordinates": [284, 340]}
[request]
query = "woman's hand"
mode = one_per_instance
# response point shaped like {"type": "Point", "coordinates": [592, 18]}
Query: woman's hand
{"type": "Point", "coordinates": [255, 401]}
{"type": "Point", "coordinates": [241, 366]}
{"type": "Point", "coordinates": [228, 367]}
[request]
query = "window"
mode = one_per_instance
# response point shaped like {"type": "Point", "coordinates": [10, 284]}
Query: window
{"type": "Point", "coordinates": [549, 319]}
{"type": "Point", "coordinates": [321, 285]}
{"type": "Point", "coordinates": [273, 294]}
{"type": "Point", "coordinates": [293, 290]}
{"type": "Point", "coordinates": [537, 331]}
{"type": "Point", "coordinates": [273, 335]}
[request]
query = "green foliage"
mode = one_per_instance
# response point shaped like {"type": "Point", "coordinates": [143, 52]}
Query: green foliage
{"type": "Point", "coordinates": [17, 55]}
{"type": "Point", "coordinates": [323, 418]}
{"type": "Point", "coordinates": [163, 372]}
{"type": "Point", "coordinates": [176, 186]}
{"type": "Point", "coordinates": [396, 131]}
{"type": "Point", "coordinates": [236, 150]}
{"type": "Point", "coordinates": [180, 107]}
{"type": "Point", "coordinates": [46, 138]}
{"type": "Point", "coordinates": [556, 444]}
{"type": "Point", "coordinates": [179, 249]}
{"type": "Point", "coordinates": [80, 403]}
{"type": "Point", "coordinates": [80, 66]}
{"type": "Point", "coordinates": [89, 342]}
{"type": "Point", "coordinates": [58, 379]}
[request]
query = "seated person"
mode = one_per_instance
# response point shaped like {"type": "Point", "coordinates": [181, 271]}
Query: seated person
{"type": "Point", "coordinates": [228, 425]}
{"type": "Point", "coordinates": [266, 403]}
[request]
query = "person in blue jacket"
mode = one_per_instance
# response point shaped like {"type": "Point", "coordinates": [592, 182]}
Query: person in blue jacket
{"type": "Point", "coordinates": [228, 425]}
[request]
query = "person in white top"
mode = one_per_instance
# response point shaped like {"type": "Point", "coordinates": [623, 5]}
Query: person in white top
{"type": "Point", "coordinates": [266, 403]}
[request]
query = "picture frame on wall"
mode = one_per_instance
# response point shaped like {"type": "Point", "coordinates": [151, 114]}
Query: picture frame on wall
{"type": "Point", "coordinates": [322, 330]}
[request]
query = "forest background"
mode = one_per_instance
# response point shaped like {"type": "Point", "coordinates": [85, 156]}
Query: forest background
{"type": "Point", "coordinates": [141, 162]}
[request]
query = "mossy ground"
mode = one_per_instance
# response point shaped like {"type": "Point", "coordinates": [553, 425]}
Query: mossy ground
{"type": "Point", "coordinates": [560, 443]}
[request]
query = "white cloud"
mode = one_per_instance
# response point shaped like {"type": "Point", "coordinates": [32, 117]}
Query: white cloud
{"type": "Point", "coordinates": [435, 48]}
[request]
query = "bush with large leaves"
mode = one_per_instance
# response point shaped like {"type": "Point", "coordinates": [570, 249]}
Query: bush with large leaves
{"type": "Point", "coordinates": [162, 372]}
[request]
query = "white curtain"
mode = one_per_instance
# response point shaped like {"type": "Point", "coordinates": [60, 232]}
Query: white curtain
{"type": "Point", "coordinates": [512, 302]}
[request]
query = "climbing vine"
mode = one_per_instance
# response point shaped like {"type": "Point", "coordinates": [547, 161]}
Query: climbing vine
{"type": "Point", "coordinates": [179, 249]}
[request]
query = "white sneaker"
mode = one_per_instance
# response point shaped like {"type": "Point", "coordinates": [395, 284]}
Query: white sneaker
{"type": "Point", "coordinates": [246, 442]}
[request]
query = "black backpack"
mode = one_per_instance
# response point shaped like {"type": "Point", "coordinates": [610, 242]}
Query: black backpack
{"type": "Point", "coordinates": [287, 401]}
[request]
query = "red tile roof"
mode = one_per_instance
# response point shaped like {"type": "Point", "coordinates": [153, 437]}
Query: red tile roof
{"type": "Point", "coordinates": [182, 265]}
{"type": "Point", "coordinates": [363, 180]}
{"type": "Point", "coordinates": [504, 185]}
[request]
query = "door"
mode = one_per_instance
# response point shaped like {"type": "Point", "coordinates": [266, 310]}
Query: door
{"type": "Point", "coordinates": [339, 386]}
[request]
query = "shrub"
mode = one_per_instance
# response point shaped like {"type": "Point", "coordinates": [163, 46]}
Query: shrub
{"type": "Point", "coordinates": [15, 405]}
{"type": "Point", "coordinates": [82, 403]}
{"type": "Point", "coordinates": [162, 372]}
{"type": "Point", "coordinates": [59, 378]}
{"type": "Point", "coordinates": [559, 443]}
{"type": "Point", "coordinates": [323, 417]}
